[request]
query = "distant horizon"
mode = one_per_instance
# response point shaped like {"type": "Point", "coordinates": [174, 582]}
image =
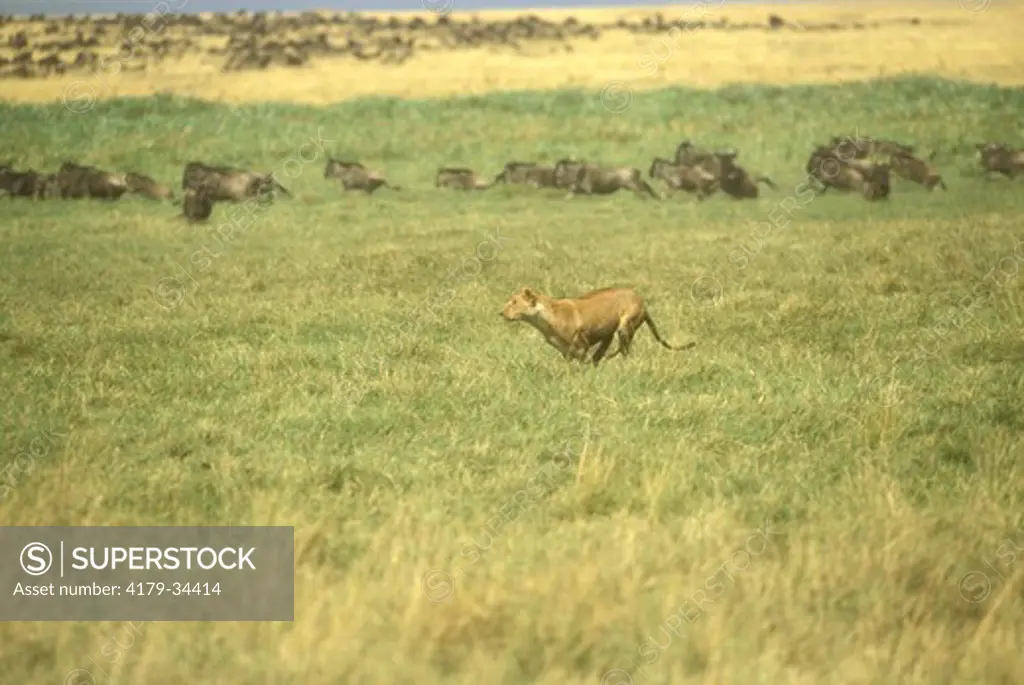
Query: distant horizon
{"type": "Point", "coordinates": [95, 7]}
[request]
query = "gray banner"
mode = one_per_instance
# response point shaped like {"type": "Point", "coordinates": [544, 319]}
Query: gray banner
{"type": "Point", "coordinates": [222, 573]}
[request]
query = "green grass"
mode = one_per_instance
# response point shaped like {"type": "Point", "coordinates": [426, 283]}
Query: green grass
{"type": "Point", "coordinates": [340, 366]}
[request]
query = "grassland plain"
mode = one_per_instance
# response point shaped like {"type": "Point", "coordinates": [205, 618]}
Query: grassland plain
{"type": "Point", "coordinates": [758, 510]}
{"type": "Point", "coordinates": [976, 40]}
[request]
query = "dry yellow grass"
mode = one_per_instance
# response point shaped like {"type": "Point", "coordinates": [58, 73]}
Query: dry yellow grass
{"type": "Point", "coordinates": [967, 42]}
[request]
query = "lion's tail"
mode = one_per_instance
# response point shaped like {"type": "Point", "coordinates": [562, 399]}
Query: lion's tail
{"type": "Point", "coordinates": [657, 336]}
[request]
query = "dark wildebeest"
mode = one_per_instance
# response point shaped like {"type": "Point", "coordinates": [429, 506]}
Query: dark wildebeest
{"type": "Point", "coordinates": [79, 180]}
{"type": "Point", "coordinates": [22, 183]}
{"type": "Point", "coordinates": [825, 165]}
{"type": "Point", "coordinates": [861, 147]}
{"type": "Point", "coordinates": [692, 179]}
{"type": "Point", "coordinates": [736, 181]}
{"type": "Point", "coordinates": [47, 186]}
{"type": "Point", "coordinates": [869, 179]}
{"type": "Point", "coordinates": [733, 179]}
{"type": "Point", "coordinates": [140, 184]}
{"type": "Point", "coordinates": [1000, 158]}
{"type": "Point", "coordinates": [527, 173]}
{"type": "Point", "coordinates": [197, 205]}
{"type": "Point", "coordinates": [515, 172]}
{"type": "Point", "coordinates": [565, 172]}
{"type": "Point", "coordinates": [592, 179]}
{"type": "Point", "coordinates": [876, 185]}
{"type": "Point", "coordinates": [687, 154]}
{"type": "Point", "coordinates": [228, 184]}
{"type": "Point", "coordinates": [917, 170]}
{"type": "Point", "coordinates": [541, 177]}
{"type": "Point", "coordinates": [354, 176]}
{"type": "Point", "coordinates": [460, 179]}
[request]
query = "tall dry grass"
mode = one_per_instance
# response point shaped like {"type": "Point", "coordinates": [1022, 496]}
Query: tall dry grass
{"type": "Point", "coordinates": [827, 489]}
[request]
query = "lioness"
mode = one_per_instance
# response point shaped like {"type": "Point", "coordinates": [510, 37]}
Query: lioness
{"type": "Point", "coordinates": [575, 325]}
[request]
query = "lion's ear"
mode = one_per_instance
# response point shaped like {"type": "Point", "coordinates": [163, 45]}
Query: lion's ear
{"type": "Point", "coordinates": [530, 296]}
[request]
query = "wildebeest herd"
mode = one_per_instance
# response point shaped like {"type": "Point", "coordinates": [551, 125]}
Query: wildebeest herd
{"type": "Point", "coordinates": [856, 164]}
{"type": "Point", "coordinates": [76, 181]}
{"type": "Point", "coordinates": [43, 46]}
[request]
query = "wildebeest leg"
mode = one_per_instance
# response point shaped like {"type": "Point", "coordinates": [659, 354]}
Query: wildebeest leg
{"type": "Point", "coordinates": [639, 188]}
{"type": "Point", "coordinates": [768, 182]}
{"type": "Point", "coordinates": [280, 187]}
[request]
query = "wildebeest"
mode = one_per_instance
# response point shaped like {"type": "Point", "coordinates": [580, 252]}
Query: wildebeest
{"type": "Point", "coordinates": [77, 181]}
{"type": "Point", "coordinates": [515, 172]}
{"type": "Point", "coordinates": [861, 147]}
{"type": "Point", "coordinates": [355, 176]}
{"type": "Point", "coordinates": [592, 179]}
{"type": "Point", "coordinates": [527, 173]}
{"type": "Point", "coordinates": [876, 185]}
{"type": "Point", "coordinates": [917, 170]}
{"type": "Point", "coordinates": [197, 205]}
{"type": "Point", "coordinates": [565, 172]}
{"type": "Point", "coordinates": [1001, 159]}
{"type": "Point", "coordinates": [692, 179]}
{"type": "Point", "coordinates": [869, 179]}
{"type": "Point", "coordinates": [733, 179]}
{"type": "Point", "coordinates": [461, 179]}
{"type": "Point", "coordinates": [140, 184]}
{"type": "Point", "coordinates": [47, 186]}
{"type": "Point", "coordinates": [825, 165]}
{"type": "Point", "coordinates": [687, 154]}
{"type": "Point", "coordinates": [22, 183]}
{"type": "Point", "coordinates": [228, 184]}
{"type": "Point", "coordinates": [736, 181]}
